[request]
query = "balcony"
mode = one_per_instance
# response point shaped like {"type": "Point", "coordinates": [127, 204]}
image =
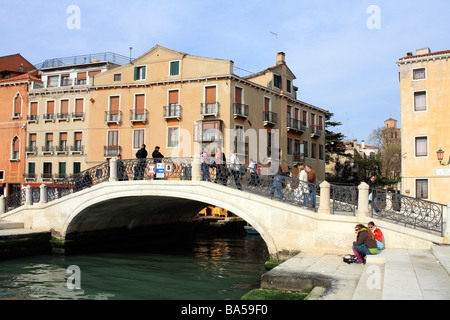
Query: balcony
{"type": "Point", "coordinates": [111, 151]}
{"type": "Point", "coordinates": [316, 132]}
{"type": "Point", "coordinates": [62, 149]}
{"type": "Point", "coordinates": [47, 150]}
{"type": "Point", "coordinates": [77, 149]}
{"type": "Point", "coordinates": [210, 109]}
{"type": "Point", "coordinates": [138, 116]}
{"type": "Point", "coordinates": [29, 176]}
{"type": "Point", "coordinates": [172, 112]}
{"type": "Point", "coordinates": [49, 117]}
{"type": "Point", "coordinates": [60, 176]}
{"type": "Point", "coordinates": [34, 118]}
{"type": "Point", "coordinates": [294, 125]}
{"type": "Point", "coordinates": [240, 111]}
{"type": "Point", "coordinates": [31, 150]}
{"type": "Point", "coordinates": [47, 176]}
{"type": "Point", "coordinates": [269, 118]}
{"type": "Point", "coordinates": [63, 117]}
{"type": "Point", "coordinates": [113, 117]}
{"type": "Point", "coordinates": [78, 116]}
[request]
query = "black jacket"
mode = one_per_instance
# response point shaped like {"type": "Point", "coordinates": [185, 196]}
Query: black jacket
{"type": "Point", "coordinates": [141, 154]}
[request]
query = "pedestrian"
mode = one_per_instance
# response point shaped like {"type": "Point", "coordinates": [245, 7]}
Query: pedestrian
{"type": "Point", "coordinates": [302, 189]}
{"type": "Point", "coordinates": [373, 193]}
{"type": "Point", "coordinates": [156, 155]}
{"type": "Point", "coordinates": [205, 165]}
{"type": "Point", "coordinates": [235, 166]}
{"type": "Point", "coordinates": [276, 184]}
{"type": "Point", "coordinates": [255, 180]}
{"type": "Point", "coordinates": [311, 179]}
{"type": "Point", "coordinates": [365, 243]}
{"type": "Point", "coordinates": [121, 169]}
{"type": "Point", "coordinates": [221, 167]}
{"type": "Point", "coordinates": [378, 235]}
{"type": "Point", "coordinates": [141, 155]}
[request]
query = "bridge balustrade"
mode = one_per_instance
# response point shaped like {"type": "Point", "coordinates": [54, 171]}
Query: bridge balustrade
{"type": "Point", "coordinates": [399, 209]}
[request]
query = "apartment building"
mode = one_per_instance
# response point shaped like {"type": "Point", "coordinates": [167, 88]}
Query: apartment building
{"type": "Point", "coordinates": [16, 76]}
{"type": "Point", "coordinates": [58, 114]}
{"type": "Point", "coordinates": [184, 103]}
{"type": "Point", "coordinates": [425, 124]}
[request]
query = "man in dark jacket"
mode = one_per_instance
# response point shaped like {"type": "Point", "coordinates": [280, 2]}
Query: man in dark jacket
{"type": "Point", "coordinates": [156, 155]}
{"type": "Point", "coordinates": [140, 167]}
{"type": "Point", "coordinates": [373, 193]}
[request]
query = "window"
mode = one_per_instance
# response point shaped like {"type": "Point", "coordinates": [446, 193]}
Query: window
{"type": "Point", "coordinates": [288, 85]}
{"type": "Point", "coordinates": [31, 169]}
{"type": "Point", "coordinates": [47, 170]}
{"type": "Point", "coordinates": [289, 146]}
{"type": "Point", "coordinates": [277, 81]}
{"type": "Point", "coordinates": [174, 68]}
{"type": "Point", "coordinates": [33, 111]}
{"type": "Point", "coordinates": [62, 170]}
{"type": "Point", "coordinates": [64, 109]}
{"type": "Point", "coordinates": [172, 137]}
{"type": "Point", "coordinates": [32, 142]}
{"type": "Point", "coordinates": [321, 152]}
{"type": "Point", "coordinates": [118, 77]}
{"type": "Point", "coordinates": [138, 138]}
{"type": "Point", "coordinates": [422, 188]}
{"type": "Point", "coordinates": [139, 73]}
{"type": "Point", "coordinates": [421, 146]}
{"type": "Point", "coordinates": [15, 147]}
{"type": "Point", "coordinates": [63, 141]}
{"type": "Point", "coordinates": [53, 81]}
{"type": "Point", "coordinates": [81, 78]}
{"type": "Point", "coordinates": [420, 101]}
{"type": "Point", "coordinates": [313, 150]}
{"type": "Point", "coordinates": [76, 167]}
{"type": "Point", "coordinates": [419, 74]}
{"type": "Point", "coordinates": [65, 80]}
{"type": "Point", "coordinates": [208, 131]}
{"type": "Point", "coordinates": [113, 138]}
{"type": "Point", "coordinates": [79, 108]}
{"type": "Point", "coordinates": [305, 149]}
{"type": "Point", "coordinates": [2, 177]}
{"type": "Point", "coordinates": [139, 106]}
{"type": "Point", "coordinates": [17, 106]}
{"type": "Point", "coordinates": [78, 141]}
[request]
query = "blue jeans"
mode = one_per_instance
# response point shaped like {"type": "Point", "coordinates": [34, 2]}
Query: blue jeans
{"type": "Point", "coordinates": [276, 184]}
{"type": "Point", "coordinates": [360, 252]}
{"type": "Point", "coordinates": [312, 193]}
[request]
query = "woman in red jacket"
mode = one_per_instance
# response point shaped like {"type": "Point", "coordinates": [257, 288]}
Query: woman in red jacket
{"type": "Point", "coordinates": [365, 243]}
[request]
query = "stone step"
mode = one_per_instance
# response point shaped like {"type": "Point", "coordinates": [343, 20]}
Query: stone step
{"type": "Point", "coordinates": [7, 225]}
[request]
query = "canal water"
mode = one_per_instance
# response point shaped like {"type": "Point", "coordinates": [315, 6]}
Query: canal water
{"type": "Point", "coordinates": [201, 267]}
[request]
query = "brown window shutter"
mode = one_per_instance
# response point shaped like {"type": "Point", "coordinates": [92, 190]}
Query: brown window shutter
{"type": "Point", "coordinates": [210, 96]}
{"type": "Point", "coordinates": [34, 108]}
{"type": "Point", "coordinates": [64, 106]}
{"type": "Point", "coordinates": [173, 97]}
{"type": "Point", "coordinates": [63, 136]}
{"type": "Point", "coordinates": [79, 106]}
{"type": "Point", "coordinates": [78, 136]}
{"type": "Point", "coordinates": [266, 104]}
{"type": "Point", "coordinates": [140, 103]}
{"type": "Point", "coordinates": [238, 95]}
{"type": "Point", "coordinates": [114, 105]}
{"type": "Point", "coordinates": [17, 105]}
{"type": "Point", "coordinates": [50, 107]}
{"type": "Point", "coordinates": [81, 76]}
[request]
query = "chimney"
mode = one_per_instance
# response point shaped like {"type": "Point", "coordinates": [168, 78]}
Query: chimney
{"type": "Point", "coordinates": [363, 145]}
{"type": "Point", "coordinates": [281, 58]}
{"type": "Point", "coordinates": [355, 143]}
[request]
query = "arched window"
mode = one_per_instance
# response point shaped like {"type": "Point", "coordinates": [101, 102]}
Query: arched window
{"type": "Point", "coordinates": [17, 106]}
{"type": "Point", "coordinates": [15, 149]}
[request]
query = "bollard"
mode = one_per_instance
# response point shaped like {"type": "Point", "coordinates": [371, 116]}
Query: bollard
{"type": "Point", "coordinates": [363, 200]}
{"type": "Point", "coordinates": [113, 169]}
{"type": "Point", "coordinates": [324, 207]}
{"type": "Point", "coordinates": [44, 194]}
{"type": "Point", "coordinates": [2, 204]}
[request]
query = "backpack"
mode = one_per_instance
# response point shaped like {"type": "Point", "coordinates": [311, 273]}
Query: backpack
{"type": "Point", "coordinates": [349, 258]}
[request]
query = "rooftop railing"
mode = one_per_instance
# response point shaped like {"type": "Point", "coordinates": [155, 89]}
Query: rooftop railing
{"type": "Point", "coordinates": [84, 59]}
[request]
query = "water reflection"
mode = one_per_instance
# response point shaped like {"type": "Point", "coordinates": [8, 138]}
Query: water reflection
{"type": "Point", "coordinates": [208, 268]}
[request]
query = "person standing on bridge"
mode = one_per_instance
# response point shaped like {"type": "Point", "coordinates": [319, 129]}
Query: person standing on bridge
{"type": "Point", "coordinates": [311, 179]}
{"type": "Point", "coordinates": [141, 155]}
{"type": "Point", "coordinates": [235, 166]}
{"type": "Point", "coordinates": [276, 183]}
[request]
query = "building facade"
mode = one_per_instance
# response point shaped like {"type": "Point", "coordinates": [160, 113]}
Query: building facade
{"type": "Point", "coordinates": [184, 104]}
{"type": "Point", "coordinates": [425, 124]}
{"type": "Point", "coordinates": [17, 75]}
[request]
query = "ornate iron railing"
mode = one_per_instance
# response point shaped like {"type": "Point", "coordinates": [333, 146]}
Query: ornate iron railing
{"type": "Point", "coordinates": [407, 211]}
{"type": "Point", "coordinates": [343, 199]}
{"type": "Point", "coordinates": [146, 169]}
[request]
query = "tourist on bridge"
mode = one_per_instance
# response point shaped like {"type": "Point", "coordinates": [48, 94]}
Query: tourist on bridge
{"type": "Point", "coordinates": [139, 170]}
{"type": "Point", "coordinates": [156, 155]}
{"type": "Point", "coordinates": [235, 166]}
{"type": "Point", "coordinates": [302, 189]}
{"type": "Point", "coordinates": [206, 164]}
{"type": "Point", "coordinates": [311, 179]}
{"type": "Point", "coordinates": [373, 193]}
{"type": "Point", "coordinates": [276, 183]}
{"type": "Point", "coordinates": [221, 167]}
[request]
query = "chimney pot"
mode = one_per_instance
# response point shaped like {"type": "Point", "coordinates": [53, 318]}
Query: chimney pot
{"type": "Point", "coordinates": [281, 58]}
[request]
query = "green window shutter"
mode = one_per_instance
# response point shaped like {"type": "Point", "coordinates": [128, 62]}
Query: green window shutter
{"type": "Point", "coordinates": [175, 68]}
{"type": "Point", "coordinates": [136, 73]}
{"type": "Point", "coordinates": [31, 167]}
{"type": "Point", "coordinates": [62, 167]}
{"type": "Point", "coordinates": [76, 167]}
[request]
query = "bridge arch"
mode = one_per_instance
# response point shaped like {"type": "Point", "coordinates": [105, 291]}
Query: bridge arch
{"type": "Point", "coordinates": [137, 203]}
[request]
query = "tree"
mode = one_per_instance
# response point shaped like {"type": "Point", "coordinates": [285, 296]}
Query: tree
{"type": "Point", "coordinates": [334, 144]}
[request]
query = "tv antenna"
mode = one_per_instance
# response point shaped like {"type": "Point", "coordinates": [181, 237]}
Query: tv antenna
{"type": "Point", "coordinates": [276, 43]}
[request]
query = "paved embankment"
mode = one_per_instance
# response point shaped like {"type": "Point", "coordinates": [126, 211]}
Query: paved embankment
{"type": "Point", "coordinates": [390, 275]}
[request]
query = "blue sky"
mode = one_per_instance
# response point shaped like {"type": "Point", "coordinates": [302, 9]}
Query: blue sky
{"type": "Point", "coordinates": [341, 64]}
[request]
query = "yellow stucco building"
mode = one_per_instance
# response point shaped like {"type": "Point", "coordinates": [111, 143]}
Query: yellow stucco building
{"type": "Point", "coordinates": [171, 99]}
{"type": "Point", "coordinates": [425, 124]}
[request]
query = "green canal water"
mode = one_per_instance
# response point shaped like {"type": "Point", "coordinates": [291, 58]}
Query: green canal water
{"type": "Point", "coordinates": [201, 267]}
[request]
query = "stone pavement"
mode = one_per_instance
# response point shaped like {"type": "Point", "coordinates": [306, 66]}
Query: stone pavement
{"type": "Point", "coordinates": [393, 274]}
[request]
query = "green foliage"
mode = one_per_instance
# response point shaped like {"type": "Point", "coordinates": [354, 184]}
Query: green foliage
{"type": "Point", "coordinates": [271, 294]}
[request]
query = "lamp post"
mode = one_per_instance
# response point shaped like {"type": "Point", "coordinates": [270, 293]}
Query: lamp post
{"type": "Point", "coordinates": [440, 156]}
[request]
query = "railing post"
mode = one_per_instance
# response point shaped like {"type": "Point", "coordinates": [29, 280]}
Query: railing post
{"type": "Point", "coordinates": [363, 200]}
{"type": "Point", "coordinates": [446, 218]}
{"type": "Point", "coordinates": [113, 170]}
{"type": "Point", "coordinates": [324, 207]}
{"type": "Point", "coordinates": [196, 167]}
{"type": "Point", "coordinates": [44, 194]}
{"type": "Point", "coordinates": [2, 204]}
{"type": "Point", "coordinates": [28, 196]}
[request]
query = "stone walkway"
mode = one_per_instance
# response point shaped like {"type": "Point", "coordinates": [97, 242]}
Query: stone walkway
{"type": "Point", "coordinates": [390, 275]}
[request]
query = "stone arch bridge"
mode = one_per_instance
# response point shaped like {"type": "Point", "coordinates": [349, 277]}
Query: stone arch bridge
{"type": "Point", "coordinates": [110, 198]}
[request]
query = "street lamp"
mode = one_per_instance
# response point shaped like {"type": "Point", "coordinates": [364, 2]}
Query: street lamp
{"type": "Point", "coordinates": [440, 156]}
